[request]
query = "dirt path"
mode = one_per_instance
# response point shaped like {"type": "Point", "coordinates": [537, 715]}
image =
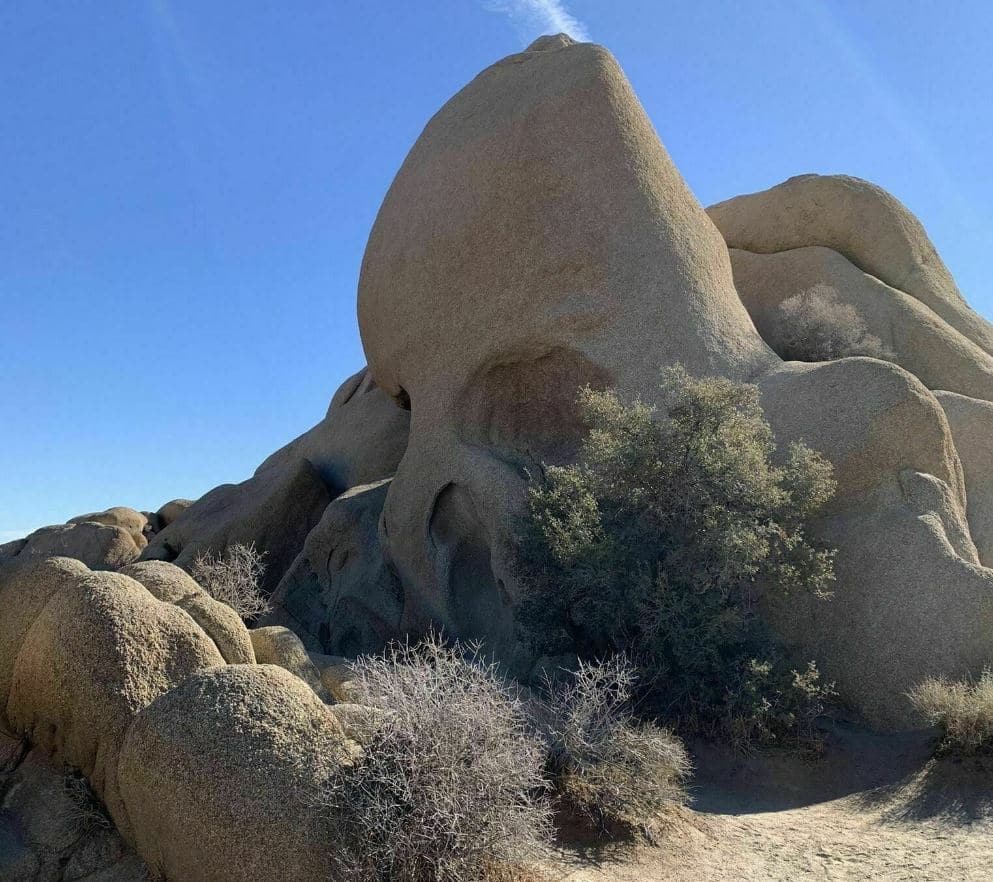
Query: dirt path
{"type": "Point", "coordinates": [876, 809]}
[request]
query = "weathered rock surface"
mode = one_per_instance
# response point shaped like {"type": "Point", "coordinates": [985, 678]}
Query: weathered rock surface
{"type": "Point", "coordinates": [860, 221]}
{"type": "Point", "coordinates": [921, 341]}
{"type": "Point", "coordinates": [360, 440]}
{"type": "Point", "coordinates": [99, 546]}
{"type": "Point", "coordinates": [276, 645]}
{"type": "Point", "coordinates": [99, 650]}
{"type": "Point", "coordinates": [337, 675]}
{"type": "Point", "coordinates": [51, 831]}
{"type": "Point", "coordinates": [971, 423]}
{"type": "Point", "coordinates": [223, 625]}
{"type": "Point", "coordinates": [170, 511]}
{"type": "Point", "coordinates": [134, 522]}
{"type": "Point", "coordinates": [911, 599]}
{"type": "Point", "coordinates": [220, 777]}
{"type": "Point", "coordinates": [274, 510]}
{"type": "Point", "coordinates": [340, 594]}
{"type": "Point", "coordinates": [25, 589]}
{"type": "Point", "coordinates": [536, 238]}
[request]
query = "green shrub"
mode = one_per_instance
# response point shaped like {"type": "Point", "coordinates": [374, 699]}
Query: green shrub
{"type": "Point", "coordinates": [605, 767]}
{"type": "Point", "coordinates": [660, 541]}
{"type": "Point", "coordinates": [963, 710]}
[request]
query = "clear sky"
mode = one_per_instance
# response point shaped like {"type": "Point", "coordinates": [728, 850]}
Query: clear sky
{"type": "Point", "coordinates": [186, 187]}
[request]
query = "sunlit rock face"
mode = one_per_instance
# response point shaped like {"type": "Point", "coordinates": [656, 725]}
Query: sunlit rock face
{"type": "Point", "coordinates": [538, 238]}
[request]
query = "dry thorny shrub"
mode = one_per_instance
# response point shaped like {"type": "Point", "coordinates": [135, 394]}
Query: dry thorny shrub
{"type": "Point", "coordinates": [815, 326]}
{"type": "Point", "coordinates": [962, 709]}
{"type": "Point", "coordinates": [85, 809]}
{"type": "Point", "coordinates": [451, 786]}
{"type": "Point", "coordinates": [621, 774]}
{"type": "Point", "coordinates": [234, 578]}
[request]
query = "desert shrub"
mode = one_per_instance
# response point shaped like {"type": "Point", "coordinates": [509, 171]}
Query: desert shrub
{"type": "Point", "coordinates": [234, 578]}
{"type": "Point", "coordinates": [962, 709]}
{"type": "Point", "coordinates": [619, 774]}
{"type": "Point", "coordinates": [450, 787]}
{"type": "Point", "coordinates": [86, 811]}
{"type": "Point", "coordinates": [815, 326]}
{"type": "Point", "coordinates": [660, 541]}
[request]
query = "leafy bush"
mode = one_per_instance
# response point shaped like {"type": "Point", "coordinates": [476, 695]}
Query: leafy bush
{"type": "Point", "coordinates": [620, 774]}
{"type": "Point", "coordinates": [815, 326]}
{"type": "Point", "coordinates": [963, 710]}
{"type": "Point", "coordinates": [234, 578]}
{"type": "Point", "coordinates": [659, 543]}
{"type": "Point", "coordinates": [450, 786]}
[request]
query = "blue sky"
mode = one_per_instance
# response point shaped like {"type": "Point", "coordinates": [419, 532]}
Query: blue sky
{"type": "Point", "coordinates": [187, 187]}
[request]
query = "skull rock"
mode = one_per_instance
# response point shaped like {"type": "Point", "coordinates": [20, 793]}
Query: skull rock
{"type": "Point", "coordinates": [537, 238]}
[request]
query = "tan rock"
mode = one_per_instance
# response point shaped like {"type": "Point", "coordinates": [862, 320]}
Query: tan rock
{"type": "Point", "coordinates": [536, 238]}
{"type": "Point", "coordinates": [911, 600]}
{"type": "Point", "coordinates": [25, 589]}
{"type": "Point", "coordinates": [340, 593]}
{"type": "Point", "coordinates": [920, 340]}
{"type": "Point", "coordinates": [361, 439]}
{"type": "Point", "coordinates": [860, 221]}
{"type": "Point", "coordinates": [337, 675]}
{"type": "Point", "coordinates": [99, 546]}
{"type": "Point", "coordinates": [274, 510]}
{"type": "Point", "coordinates": [276, 645]}
{"type": "Point", "coordinates": [971, 422]}
{"type": "Point", "coordinates": [223, 625]}
{"type": "Point", "coordinates": [128, 519]}
{"type": "Point", "coordinates": [359, 722]}
{"type": "Point", "coordinates": [99, 651]}
{"type": "Point", "coordinates": [172, 510]}
{"type": "Point", "coordinates": [220, 777]}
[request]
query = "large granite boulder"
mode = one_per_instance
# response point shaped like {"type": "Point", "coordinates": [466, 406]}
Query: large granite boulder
{"type": "Point", "coordinates": [340, 594]}
{"type": "Point", "coordinates": [99, 546]}
{"type": "Point", "coordinates": [538, 238]}
{"type": "Point", "coordinates": [222, 777]}
{"type": "Point", "coordinates": [865, 224]}
{"type": "Point", "coordinates": [361, 439]}
{"type": "Point", "coordinates": [917, 338]}
{"type": "Point", "coordinates": [971, 422]}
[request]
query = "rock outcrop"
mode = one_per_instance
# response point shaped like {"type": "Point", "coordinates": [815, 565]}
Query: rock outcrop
{"type": "Point", "coordinates": [971, 422]}
{"type": "Point", "coordinates": [361, 439]}
{"type": "Point", "coordinates": [276, 645]}
{"type": "Point", "coordinates": [223, 625]}
{"type": "Point", "coordinates": [99, 546]}
{"type": "Point", "coordinates": [99, 650]}
{"type": "Point", "coordinates": [274, 510]}
{"type": "Point", "coordinates": [860, 221]}
{"type": "Point", "coordinates": [536, 238]}
{"type": "Point", "coordinates": [340, 594]}
{"type": "Point", "coordinates": [918, 338]}
{"type": "Point", "coordinates": [222, 776]}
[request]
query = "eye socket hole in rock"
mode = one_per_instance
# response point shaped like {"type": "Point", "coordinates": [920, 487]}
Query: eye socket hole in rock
{"type": "Point", "coordinates": [528, 403]}
{"type": "Point", "coordinates": [478, 606]}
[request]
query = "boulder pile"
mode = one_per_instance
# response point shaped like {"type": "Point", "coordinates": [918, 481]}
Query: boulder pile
{"type": "Point", "coordinates": [536, 239]}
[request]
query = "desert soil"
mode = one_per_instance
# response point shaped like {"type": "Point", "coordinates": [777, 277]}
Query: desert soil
{"type": "Point", "coordinates": [873, 808]}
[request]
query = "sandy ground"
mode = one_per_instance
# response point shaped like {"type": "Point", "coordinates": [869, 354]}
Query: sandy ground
{"type": "Point", "coordinates": [874, 808]}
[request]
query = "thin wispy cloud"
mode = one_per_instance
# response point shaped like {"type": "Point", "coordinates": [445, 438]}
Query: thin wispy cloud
{"type": "Point", "coordinates": [536, 17]}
